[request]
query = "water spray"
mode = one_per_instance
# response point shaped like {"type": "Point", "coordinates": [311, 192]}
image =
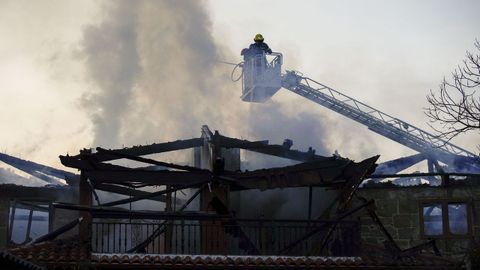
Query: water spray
{"type": "Point", "coordinates": [239, 65]}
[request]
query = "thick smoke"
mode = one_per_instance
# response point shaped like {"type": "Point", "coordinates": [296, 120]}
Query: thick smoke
{"type": "Point", "coordinates": [155, 76]}
{"type": "Point", "coordinates": [112, 64]}
{"type": "Point", "coordinates": [153, 67]}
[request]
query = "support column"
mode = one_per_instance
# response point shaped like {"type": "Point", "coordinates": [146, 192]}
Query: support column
{"type": "Point", "coordinates": [5, 227]}
{"type": "Point", "coordinates": [85, 198]}
{"type": "Point", "coordinates": [214, 238]}
{"type": "Point", "coordinates": [310, 198]}
{"type": "Point", "coordinates": [214, 198]}
{"type": "Point", "coordinates": [169, 228]}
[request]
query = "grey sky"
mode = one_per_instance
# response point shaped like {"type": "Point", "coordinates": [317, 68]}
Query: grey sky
{"type": "Point", "coordinates": [388, 54]}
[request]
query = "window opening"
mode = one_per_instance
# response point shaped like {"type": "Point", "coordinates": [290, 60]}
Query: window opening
{"type": "Point", "coordinates": [445, 219]}
{"type": "Point", "coordinates": [433, 219]}
{"type": "Point", "coordinates": [27, 221]}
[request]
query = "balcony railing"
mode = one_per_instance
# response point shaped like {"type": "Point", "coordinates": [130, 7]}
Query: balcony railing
{"type": "Point", "coordinates": [227, 237]}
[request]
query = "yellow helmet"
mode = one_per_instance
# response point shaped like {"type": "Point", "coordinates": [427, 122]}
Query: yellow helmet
{"type": "Point", "coordinates": [258, 38]}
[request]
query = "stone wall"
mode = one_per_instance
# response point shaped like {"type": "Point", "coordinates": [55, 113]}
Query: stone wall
{"type": "Point", "coordinates": [399, 210]}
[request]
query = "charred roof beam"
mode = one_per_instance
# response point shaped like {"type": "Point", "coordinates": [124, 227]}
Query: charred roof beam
{"type": "Point", "coordinates": [45, 173]}
{"type": "Point", "coordinates": [148, 149]}
{"type": "Point", "coordinates": [263, 147]}
{"type": "Point", "coordinates": [164, 177]}
{"type": "Point", "coordinates": [149, 160]}
{"type": "Point", "coordinates": [127, 191]}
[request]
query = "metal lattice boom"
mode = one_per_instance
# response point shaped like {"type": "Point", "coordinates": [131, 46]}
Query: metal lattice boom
{"type": "Point", "coordinates": [379, 122]}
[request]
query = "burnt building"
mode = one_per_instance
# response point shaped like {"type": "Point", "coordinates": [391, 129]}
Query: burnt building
{"type": "Point", "coordinates": [447, 214]}
{"type": "Point", "coordinates": [193, 221]}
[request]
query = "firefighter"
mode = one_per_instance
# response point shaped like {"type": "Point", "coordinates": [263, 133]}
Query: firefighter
{"type": "Point", "coordinates": [256, 52]}
{"type": "Point", "coordinates": [259, 47]}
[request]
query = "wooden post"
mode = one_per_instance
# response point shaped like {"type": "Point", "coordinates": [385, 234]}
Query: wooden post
{"type": "Point", "coordinates": [85, 198]}
{"type": "Point", "coordinates": [12, 218]}
{"type": "Point", "coordinates": [310, 197]}
{"type": "Point", "coordinates": [29, 225]}
{"type": "Point", "coordinates": [445, 180]}
{"type": "Point", "coordinates": [214, 238]}
{"type": "Point", "coordinates": [169, 229]}
{"type": "Point", "coordinates": [215, 197]}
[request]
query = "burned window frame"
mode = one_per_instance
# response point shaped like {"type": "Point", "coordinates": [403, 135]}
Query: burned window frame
{"type": "Point", "coordinates": [26, 202]}
{"type": "Point", "coordinates": [446, 234]}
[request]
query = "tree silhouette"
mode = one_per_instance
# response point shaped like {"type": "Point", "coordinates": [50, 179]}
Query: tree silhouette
{"type": "Point", "coordinates": [455, 107]}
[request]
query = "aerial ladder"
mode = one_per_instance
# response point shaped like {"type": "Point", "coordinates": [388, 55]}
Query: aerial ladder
{"type": "Point", "coordinates": [262, 77]}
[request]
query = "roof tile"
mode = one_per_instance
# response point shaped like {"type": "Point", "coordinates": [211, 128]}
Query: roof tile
{"type": "Point", "coordinates": [70, 252]}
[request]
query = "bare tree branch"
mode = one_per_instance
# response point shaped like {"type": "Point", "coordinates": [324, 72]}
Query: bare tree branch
{"type": "Point", "coordinates": [455, 107]}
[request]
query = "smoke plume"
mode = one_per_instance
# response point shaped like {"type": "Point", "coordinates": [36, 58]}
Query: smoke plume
{"type": "Point", "coordinates": [155, 75]}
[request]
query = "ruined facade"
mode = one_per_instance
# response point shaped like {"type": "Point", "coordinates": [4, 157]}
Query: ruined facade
{"type": "Point", "coordinates": [192, 230]}
{"type": "Point", "coordinates": [450, 215]}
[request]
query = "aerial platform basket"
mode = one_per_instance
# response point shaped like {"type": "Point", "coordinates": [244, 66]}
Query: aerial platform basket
{"type": "Point", "coordinates": [261, 77]}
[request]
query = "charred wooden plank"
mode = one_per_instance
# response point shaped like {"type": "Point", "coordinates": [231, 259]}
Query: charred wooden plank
{"type": "Point", "coordinates": [150, 195]}
{"type": "Point", "coordinates": [53, 234]}
{"type": "Point", "coordinates": [355, 174]}
{"type": "Point", "coordinates": [326, 225]}
{"type": "Point", "coordinates": [164, 177]}
{"type": "Point", "coordinates": [162, 228]}
{"type": "Point", "coordinates": [127, 191]}
{"type": "Point", "coordinates": [335, 172]}
{"type": "Point", "coordinates": [148, 149]}
{"type": "Point", "coordinates": [115, 212]}
{"type": "Point", "coordinates": [148, 160]}
{"type": "Point", "coordinates": [269, 149]}
{"type": "Point", "coordinates": [84, 164]}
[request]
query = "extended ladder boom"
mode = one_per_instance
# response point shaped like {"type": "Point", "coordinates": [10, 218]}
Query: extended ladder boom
{"type": "Point", "coordinates": [382, 123]}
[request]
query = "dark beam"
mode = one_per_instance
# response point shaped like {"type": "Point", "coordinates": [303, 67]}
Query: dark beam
{"type": "Point", "coordinates": [318, 173]}
{"type": "Point", "coordinates": [163, 177]}
{"type": "Point", "coordinates": [127, 191]}
{"type": "Point", "coordinates": [29, 226]}
{"type": "Point", "coordinates": [149, 149]}
{"type": "Point", "coordinates": [269, 149]}
{"type": "Point", "coordinates": [373, 215]}
{"type": "Point", "coordinates": [30, 205]}
{"type": "Point", "coordinates": [114, 212]}
{"type": "Point", "coordinates": [323, 226]}
{"type": "Point", "coordinates": [355, 173]}
{"type": "Point", "coordinates": [85, 164]}
{"type": "Point", "coordinates": [52, 235]}
{"type": "Point", "coordinates": [85, 198]}
{"type": "Point", "coordinates": [39, 170]}
{"type": "Point", "coordinates": [149, 161]}
{"type": "Point", "coordinates": [399, 164]}
{"type": "Point", "coordinates": [420, 247]}
{"type": "Point", "coordinates": [149, 195]}
{"type": "Point", "coordinates": [162, 226]}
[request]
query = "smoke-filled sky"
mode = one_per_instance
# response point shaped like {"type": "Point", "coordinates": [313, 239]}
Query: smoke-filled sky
{"type": "Point", "coordinates": [77, 74]}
